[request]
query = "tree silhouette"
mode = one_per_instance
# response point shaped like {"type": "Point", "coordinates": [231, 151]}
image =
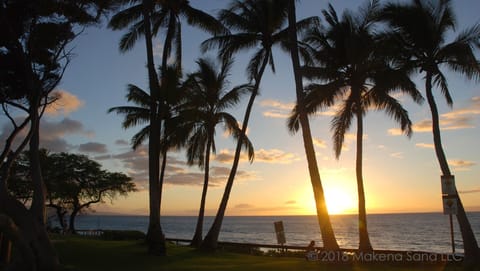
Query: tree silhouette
{"type": "Point", "coordinates": [419, 32]}
{"type": "Point", "coordinates": [328, 235]}
{"type": "Point", "coordinates": [356, 74]}
{"type": "Point", "coordinates": [207, 101]}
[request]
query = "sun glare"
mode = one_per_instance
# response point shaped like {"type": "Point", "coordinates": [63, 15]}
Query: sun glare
{"type": "Point", "coordinates": [338, 200]}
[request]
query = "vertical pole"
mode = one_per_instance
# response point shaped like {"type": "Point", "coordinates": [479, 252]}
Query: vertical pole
{"type": "Point", "coordinates": [451, 234]}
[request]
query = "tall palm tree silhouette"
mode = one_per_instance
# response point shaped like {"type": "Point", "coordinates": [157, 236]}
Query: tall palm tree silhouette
{"type": "Point", "coordinates": [421, 29]}
{"type": "Point", "coordinates": [145, 18]}
{"type": "Point", "coordinates": [354, 72]}
{"type": "Point", "coordinates": [206, 103]}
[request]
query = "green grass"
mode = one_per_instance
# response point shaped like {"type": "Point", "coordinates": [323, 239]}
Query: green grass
{"type": "Point", "coordinates": [78, 253]}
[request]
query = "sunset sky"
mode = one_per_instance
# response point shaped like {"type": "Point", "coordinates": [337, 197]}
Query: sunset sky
{"type": "Point", "coordinates": [400, 174]}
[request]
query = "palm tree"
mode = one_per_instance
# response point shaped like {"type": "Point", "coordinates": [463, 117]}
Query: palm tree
{"type": "Point", "coordinates": [140, 114]}
{"type": "Point", "coordinates": [259, 26]}
{"type": "Point", "coordinates": [328, 235]}
{"type": "Point", "coordinates": [139, 17]}
{"type": "Point", "coordinates": [163, 14]}
{"type": "Point", "coordinates": [207, 100]}
{"type": "Point", "coordinates": [352, 70]}
{"type": "Point", "coordinates": [145, 18]}
{"type": "Point", "coordinates": [422, 27]}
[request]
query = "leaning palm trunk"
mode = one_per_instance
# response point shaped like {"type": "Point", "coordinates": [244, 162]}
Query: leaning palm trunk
{"type": "Point", "coordinates": [328, 235]}
{"type": "Point", "coordinates": [155, 237]}
{"type": "Point", "coordinates": [365, 244]}
{"type": "Point", "coordinates": [197, 237]}
{"type": "Point", "coordinates": [211, 239]}
{"type": "Point", "coordinates": [470, 245]}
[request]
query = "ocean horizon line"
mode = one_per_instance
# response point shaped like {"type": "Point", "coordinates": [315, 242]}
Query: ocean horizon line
{"type": "Point", "coordinates": [271, 215]}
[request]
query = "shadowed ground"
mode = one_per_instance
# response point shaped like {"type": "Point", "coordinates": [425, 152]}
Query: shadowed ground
{"type": "Point", "coordinates": [80, 253]}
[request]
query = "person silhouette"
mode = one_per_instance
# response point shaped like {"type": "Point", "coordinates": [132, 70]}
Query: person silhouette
{"type": "Point", "coordinates": [310, 252]}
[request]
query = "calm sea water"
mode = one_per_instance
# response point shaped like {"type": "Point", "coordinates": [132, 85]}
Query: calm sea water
{"type": "Point", "coordinates": [419, 232]}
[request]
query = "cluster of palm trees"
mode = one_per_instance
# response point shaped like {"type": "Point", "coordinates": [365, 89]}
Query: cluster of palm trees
{"type": "Point", "coordinates": [356, 62]}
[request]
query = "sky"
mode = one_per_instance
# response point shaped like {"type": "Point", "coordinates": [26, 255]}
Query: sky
{"type": "Point", "coordinates": [400, 174]}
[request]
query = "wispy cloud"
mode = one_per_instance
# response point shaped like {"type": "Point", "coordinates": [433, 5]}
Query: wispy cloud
{"type": "Point", "coordinates": [65, 104]}
{"type": "Point", "coordinates": [275, 156]}
{"type": "Point", "coordinates": [425, 145]}
{"type": "Point", "coordinates": [178, 173]}
{"type": "Point", "coordinates": [121, 142]}
{"type": "Point", "coordinates": [272, 156]}
{"type": "Point", "coordinates": [455, 120]}
{"type": "Point", "coordinates": [476, 190]}
{"type": "Point", "coordinates": [398, 155]}
{"type": "Point", "coordinates": [93, 147]}
{"type": "Point", "coordinates": [276, 109]}
{"type": "Point", "coordinates": [319, 143]}
{"type": "Point", "coordinates": [461, 165]}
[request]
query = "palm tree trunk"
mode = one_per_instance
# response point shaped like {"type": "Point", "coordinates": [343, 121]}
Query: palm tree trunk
{"type": "Point", "coordinates": [197, 237]}
{"type": "Point", "coordinates": [210, 242]}
{"type": "Point", "coordinates": [470, 245]}
{"type": "Point", "coordinates": [155, 237]}
{"type": "Point", "coordinates": [365, 244]}
{"type": "Point", "coordinates": [328, 235]}
{"type": "Point", "coordinates": [161, 180]}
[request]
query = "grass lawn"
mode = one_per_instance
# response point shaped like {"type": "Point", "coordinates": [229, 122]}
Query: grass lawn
{"type": "Point", "coordinates": [78, 253]}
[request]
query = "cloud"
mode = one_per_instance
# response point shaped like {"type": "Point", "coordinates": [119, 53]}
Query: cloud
{"type": "Point", "coordinates": [190, 177]}
{"type": "Point", "coordinates": [398, 155]}
{"type": "Point", "coordinates": [461, 164]}
{"type": "Point", "coordinates": [425, 145]}
{"type": "Point", "coordinates": [226, 156]}
{"type": "Point", "coordinates": [276, 109]}
{"type": "Point", "coordinates": [291, 202]}
{"type": "Point", "coordinates": [476, 190]}
{"type": "Point", "coordinates": [93, 147]}
{"type": "Point", "coordinates": [243, 206]}
{"type": "Point", "coordinates": [52, 134]}
{"type": "Point", "coordinates": [65, 104]}
{"type": "Point", "coordinates": [275, 156]}
{"type": "Point", "coordinates": [121, 142]}
{"type": "Point", "coordinates": [455, 120]}
{"type": "Point", "coordinates": [177, 172]}
{"type": "Point", "coordinates": [319, 143]}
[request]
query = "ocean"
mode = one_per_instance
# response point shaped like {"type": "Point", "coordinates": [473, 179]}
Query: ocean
{"type": "Point", "coordinates": [409, 232]}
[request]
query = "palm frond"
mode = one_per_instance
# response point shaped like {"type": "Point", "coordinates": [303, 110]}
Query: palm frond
{"type": "Point", "coordinates": [204, 21]}
{"type": "Point", "coordinates": [440, 80]}
{"type": "Point", "coordinates": [140, 137]}
{"type": "Point", "coordinates": [255, 62]}
{"type": "Point", "coordinates": [394, 109]}
{"type": "Point", "coordinates": [129, 39]}
{"type": "Point", "coordinates": [126, 17]}
{"type": "Point", "coordinates": [341, 123]}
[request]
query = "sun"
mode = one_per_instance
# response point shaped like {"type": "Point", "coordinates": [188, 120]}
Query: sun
{"type": "Point", "coordinates": [339, 201]}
